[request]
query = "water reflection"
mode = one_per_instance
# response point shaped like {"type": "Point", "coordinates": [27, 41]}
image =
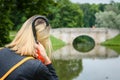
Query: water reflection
{"type": "Point", "coordinates": [83, 43]}
{"type": "Point", "coordinates": [68, 69]}
{"type": "Point", "coordinates": [101, 63]}
{"type": "Point", "coordinates": [68, 53]}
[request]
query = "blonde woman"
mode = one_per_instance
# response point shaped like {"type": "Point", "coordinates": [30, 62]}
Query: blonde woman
{"type": "Point", "coordinates": [33, 39]}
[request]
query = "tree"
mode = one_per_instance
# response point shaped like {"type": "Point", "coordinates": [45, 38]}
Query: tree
{"type": "Point", "coordinates": [66, 14]}
{"type": "Point", "coordinates": [5, 22]}
{"type": "Point", "coordinates": [115, 7]}
{"type": "Point", "coordinates": [93, 9]}
{"type": "Point", "coordinates": [110, 18]}
{"type": "Point", "coordinates": [15, 12]}
{"type": "Point", "coordinates": [23, 9]}
{"type": "Point", "coordinates": [106, 19]}
{"type": "Point", "coordinates": [102, 7]}
{"type": "Point", "coordinates": [89, 11]}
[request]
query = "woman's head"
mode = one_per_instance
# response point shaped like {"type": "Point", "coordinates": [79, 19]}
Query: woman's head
{"type": "Point", "coordinates": [35, 29]}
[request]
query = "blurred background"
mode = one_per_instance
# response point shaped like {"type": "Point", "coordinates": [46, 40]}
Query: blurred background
{"type": "Point", "coordinates": [80, 31]}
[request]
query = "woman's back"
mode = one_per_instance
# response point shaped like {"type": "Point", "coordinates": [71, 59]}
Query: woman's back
{"type": "Point", "coordinates": [30, 70]}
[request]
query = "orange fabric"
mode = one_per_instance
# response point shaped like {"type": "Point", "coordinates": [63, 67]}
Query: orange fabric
{"type": "Point", "coordinates": [40, 57]}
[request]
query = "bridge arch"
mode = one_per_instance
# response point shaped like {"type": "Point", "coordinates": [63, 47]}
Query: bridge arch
{"type": "Point", "coordinates": [98, 34]}
{"type": "Point", "coordinates": [83, 43]}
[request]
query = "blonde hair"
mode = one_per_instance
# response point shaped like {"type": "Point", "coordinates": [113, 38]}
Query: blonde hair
{"type": "Point", "coordinates": [24, 41]}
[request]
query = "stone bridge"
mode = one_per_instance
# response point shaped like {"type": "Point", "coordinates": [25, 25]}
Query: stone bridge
{"type": "Point", "coordinates": [98, 34]}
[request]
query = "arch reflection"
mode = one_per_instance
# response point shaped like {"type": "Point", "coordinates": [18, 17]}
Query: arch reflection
{"type": "Point", "coordinates": [83, 43]}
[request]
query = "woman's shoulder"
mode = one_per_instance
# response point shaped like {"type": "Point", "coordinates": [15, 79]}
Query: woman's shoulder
{"type": "Point", "coordinates": [4, 49]}
{"type": "Point", "coordinates": [35, 63]}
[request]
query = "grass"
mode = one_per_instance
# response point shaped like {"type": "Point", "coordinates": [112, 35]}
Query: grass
{"type": "Point", "coordinates": [56, 43]}
{"type": "Point", "coordinates": [112, 42]}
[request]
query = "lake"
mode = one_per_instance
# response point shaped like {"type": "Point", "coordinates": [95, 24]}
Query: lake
{"type": "Point", "coordinates": [100, 63]}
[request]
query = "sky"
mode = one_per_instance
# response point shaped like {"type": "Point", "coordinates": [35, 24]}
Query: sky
{"type": "Point", "coordinates": [93, 1]}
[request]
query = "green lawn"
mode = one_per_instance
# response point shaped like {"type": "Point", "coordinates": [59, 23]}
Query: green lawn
{"type": "Point", "coordinates": [113, 42]}
{"type": "Point", "coordinates": [56, 43]}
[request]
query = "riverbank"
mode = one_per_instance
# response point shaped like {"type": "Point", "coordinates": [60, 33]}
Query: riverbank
{"type": "Point", "coordinates": [112, 42]}
{"type": "Point", "coordinates": [56, 43]}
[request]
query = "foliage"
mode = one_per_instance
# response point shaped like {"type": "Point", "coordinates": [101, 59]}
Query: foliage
{"type": "Point", "coordinates": [115, 7]}
{"type": "Point", "coordinates": [5, 22]}
{"type": "Point", "coordinates": [23, 9]}
{"type": "Point", "coordinates": [105, 19]}
{"type": "Point", "coordinates": [66, 14]}
{"type": "Point", "coordinates": [61, 13]}
{"type": "Point", "coordinates": [102, 7]}
{"type": "Point", "coordinates": [89, 11]}
{"type": "Point", "coordinates": [110, 18]}
{"type": "Point", "coordinates": [15, 12]}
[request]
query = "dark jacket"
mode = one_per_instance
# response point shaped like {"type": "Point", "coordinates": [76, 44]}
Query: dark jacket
{"type": "Point", "coordinates": [30, 70]}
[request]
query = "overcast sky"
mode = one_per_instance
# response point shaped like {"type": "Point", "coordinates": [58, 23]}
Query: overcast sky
{"type": "Point", "coordinates": [93, 1]}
